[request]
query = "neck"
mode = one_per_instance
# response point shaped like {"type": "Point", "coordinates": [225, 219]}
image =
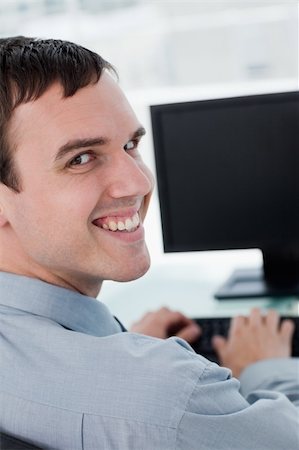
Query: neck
{"type": "Point", "coordinates": [81, 286]}
{"type": "Point", "coordinates": [14, 259]}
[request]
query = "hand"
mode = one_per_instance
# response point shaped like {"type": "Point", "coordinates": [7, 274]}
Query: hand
{"type": "Point", "coordinates": [252, 339]}
{"type": "Point", "coordinates": [165, 323]}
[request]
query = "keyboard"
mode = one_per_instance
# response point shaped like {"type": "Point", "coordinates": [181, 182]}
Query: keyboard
{"type": "Point", "coordinates": [211, 326]}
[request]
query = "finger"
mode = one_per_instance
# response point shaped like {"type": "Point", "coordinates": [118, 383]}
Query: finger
{"type": "Point", "coordinates": [164, 311]}
{"type": "Point", "coordinates": [287, 330]}
{"type": "Point", "coordinates": [177, 318]}
{"type": "Point", "coordinates": [255, 318]}
{"type": "Point", "coordinates": [219, 344]}
{"type": "Point", "coordinates": [272, 320]}
{"type": "Point", "coordinates": [146, 315]}
{"type": "Point", "coordinates": [236, 325]}
{"type": "Point", "coordinates": [175, 322]}
{"type": "Point", "coordinates": [190, 333]}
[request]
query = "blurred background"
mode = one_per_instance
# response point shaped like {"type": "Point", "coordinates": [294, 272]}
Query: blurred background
{"type": "Point", "coordinates": [167, 51]}
{"type": "Point", "coordinates": [157, 43]}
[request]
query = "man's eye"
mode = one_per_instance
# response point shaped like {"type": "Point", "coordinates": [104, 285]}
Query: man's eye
{"type": "Point", "coordinates": [80, 160]}
{"type": "Point", "coordinates": [131, 145]}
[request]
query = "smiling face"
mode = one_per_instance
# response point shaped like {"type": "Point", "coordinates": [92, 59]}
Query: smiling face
{"type": "Point", "coordinates": [79, 216]}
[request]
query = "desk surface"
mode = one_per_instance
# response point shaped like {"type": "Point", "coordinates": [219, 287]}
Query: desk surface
{"type": "Point", "coordinates": [183, 286]}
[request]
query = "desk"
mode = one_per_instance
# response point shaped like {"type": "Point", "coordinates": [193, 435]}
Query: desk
{"type": "Point", "coordinates": [187, 286]}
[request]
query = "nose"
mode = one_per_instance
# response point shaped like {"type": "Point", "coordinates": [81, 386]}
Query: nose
{"type": "Point", "coordinates": [130, 177]}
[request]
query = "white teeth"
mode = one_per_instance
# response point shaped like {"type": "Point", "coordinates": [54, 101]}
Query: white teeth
{"type": "Point", "coordinates": [121, 226]}
{"type": "Point", "coordinates": [112, 226]}
{"type": "Point", "coordinates": [129, 224]}
{"type": "Point", "coordinates": [135, 220]}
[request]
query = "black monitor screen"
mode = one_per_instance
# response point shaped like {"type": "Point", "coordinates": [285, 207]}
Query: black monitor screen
{"type": "Point", "coordinates": [228, 172]}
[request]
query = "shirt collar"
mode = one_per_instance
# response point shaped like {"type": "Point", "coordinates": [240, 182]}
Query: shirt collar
{"type": "Point", "coordinates": [68, 308]}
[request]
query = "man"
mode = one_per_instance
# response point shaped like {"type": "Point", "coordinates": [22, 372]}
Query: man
{"type": "Point", "coordinates": [73, 197]}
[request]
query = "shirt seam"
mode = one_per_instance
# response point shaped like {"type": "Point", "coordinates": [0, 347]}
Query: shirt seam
{"type": "Point", "coordinates": [125, 419]}
{"type": "Point", "coordinates": [82, 432]}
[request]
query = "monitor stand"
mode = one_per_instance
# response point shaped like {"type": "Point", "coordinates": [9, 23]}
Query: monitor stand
{"type": "Point", "coordinates": [279, 277]}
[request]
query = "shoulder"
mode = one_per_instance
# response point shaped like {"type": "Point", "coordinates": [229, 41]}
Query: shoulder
{"type": "Point", "coordinates": [153, 377]}
{"type": "Point", "coordinates": [124, 375]}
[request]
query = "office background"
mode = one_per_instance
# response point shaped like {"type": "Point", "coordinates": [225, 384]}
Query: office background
{"type": "Point", "coordinates": [171, 50]}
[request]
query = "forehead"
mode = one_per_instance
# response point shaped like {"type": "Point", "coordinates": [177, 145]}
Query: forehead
{"type": "Point", "coordinates": [99, 108]}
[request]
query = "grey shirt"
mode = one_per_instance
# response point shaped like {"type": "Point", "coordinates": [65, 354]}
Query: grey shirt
{"type": "Point", "coordinates": [70, 380]}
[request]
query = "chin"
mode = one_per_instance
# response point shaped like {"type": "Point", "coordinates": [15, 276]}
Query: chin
{"type": "Point", "coordinates": [133, 273]}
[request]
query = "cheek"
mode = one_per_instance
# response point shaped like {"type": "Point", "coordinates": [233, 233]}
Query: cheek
{"type": "Point", "coordinates": [76, 203]}
{"type": "Point", "coordinates": [64, 201]}
{"type": "Point", "coordinates": [48, 229]}
{"type": "Point", "coordinates": [45, 215]}
{"type": "Point", "coordinates": [34, 220]}
{"type": "Point", "coordinates": [150, 176]}
{"type": "Point", "coordinates": [151, 180]}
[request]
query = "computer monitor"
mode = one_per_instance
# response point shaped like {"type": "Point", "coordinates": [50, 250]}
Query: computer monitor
{"type": "Point", "coordinates": [228, 178]}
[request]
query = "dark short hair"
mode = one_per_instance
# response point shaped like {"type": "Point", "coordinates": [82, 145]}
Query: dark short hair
{"type": "Point", "coordinates": [28, 67]}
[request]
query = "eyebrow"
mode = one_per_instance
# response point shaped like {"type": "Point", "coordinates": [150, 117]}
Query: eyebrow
{"type": "Point", "coordinates": [76, 144]}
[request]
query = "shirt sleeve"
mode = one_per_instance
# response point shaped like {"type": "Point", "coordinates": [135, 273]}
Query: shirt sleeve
{"type": "Point", "coordinates": [279, 375]}
{"type": "Point", "coordinates": [262, 417]}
